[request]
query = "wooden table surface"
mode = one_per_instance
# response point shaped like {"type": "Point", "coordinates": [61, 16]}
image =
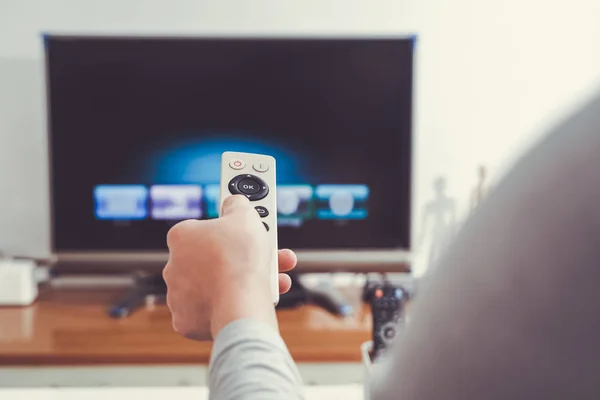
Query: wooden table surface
{"type": "Point", "coordinates": [70, 327]}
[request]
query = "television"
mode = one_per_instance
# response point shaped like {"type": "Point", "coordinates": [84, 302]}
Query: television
{"type": "Point", "coordinates": [137, 126]}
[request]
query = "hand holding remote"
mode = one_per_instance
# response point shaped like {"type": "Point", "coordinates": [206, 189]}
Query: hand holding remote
{"type": "Point", "coordinates": [220, 270]}
{"type": "Point", "coordinates": [253, 176]}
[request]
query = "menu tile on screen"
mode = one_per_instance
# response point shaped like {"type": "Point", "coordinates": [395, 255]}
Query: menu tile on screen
{"type": "Point", "coordinates": [121, 202]}
{"type": "Point", "coordinates": [342, 201]}
{"type": "Point", "coordinates": [176, 202]}
{"type": "Point", "coordinates": [294, 200]}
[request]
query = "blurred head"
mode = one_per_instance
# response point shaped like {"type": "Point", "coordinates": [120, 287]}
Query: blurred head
{"type": "Point", "coordinates": [439, 185]}
{"type": "Point", "coordinates": [482, 172]}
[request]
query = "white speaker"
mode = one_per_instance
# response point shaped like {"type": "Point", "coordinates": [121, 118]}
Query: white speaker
{"type": "Point", "coordinates": [18, 284]}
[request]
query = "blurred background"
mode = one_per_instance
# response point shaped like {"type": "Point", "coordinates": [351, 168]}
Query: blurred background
{"type": "Point", "coordinates": [490, 79]}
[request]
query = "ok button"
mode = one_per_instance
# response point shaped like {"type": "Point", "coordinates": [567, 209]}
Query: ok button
{"type": "Point", "coordinates": [249, 186]}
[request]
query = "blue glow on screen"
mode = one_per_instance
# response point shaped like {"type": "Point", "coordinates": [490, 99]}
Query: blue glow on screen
{"type": "Point", "coordinates": [212, 194]}
{"type": "Point", "coordinates": [200, 161]}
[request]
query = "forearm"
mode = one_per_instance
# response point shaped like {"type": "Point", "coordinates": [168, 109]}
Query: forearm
{"type": "Point", "coordinates": [250, 361]}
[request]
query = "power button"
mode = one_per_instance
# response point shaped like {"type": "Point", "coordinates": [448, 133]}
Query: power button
{"type": "Point", "coordinates": [237, 164]}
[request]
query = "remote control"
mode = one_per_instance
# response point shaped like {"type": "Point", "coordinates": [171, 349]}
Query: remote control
{"type": "Point", "coordinates": [387, 305]}
{"type": "Point", "coordinates": [253, 175]}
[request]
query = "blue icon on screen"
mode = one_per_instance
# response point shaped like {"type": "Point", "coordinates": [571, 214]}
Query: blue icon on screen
{"type": "Point", "coordinates": [121, 202]}
{"type": "Point", "coordinates": [342, 201]}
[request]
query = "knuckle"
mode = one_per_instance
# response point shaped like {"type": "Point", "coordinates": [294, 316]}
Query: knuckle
{"type": "Point", "coordinates": [173, 236]}
{"type": "Point", "coordinates": [175, 324]}
{"type": "Point", "coordinates": [178, 327]}
{"type": "Point", "coordinates": [166, 271]}
{"type": "Point", "coordinates": [179, 231]}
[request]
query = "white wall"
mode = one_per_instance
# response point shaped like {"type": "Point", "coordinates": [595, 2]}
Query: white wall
{"type": "Point", "coordinates": [491, 75]}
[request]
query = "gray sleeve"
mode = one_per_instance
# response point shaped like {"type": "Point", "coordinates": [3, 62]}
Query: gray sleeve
{"type": "Point", "coordinates": [513, 311]}
{"type": "Point", "coordinates": [250, 361]}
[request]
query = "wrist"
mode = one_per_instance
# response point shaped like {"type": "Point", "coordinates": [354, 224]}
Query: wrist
{"type": "Point", "coordinates": [247, 301]}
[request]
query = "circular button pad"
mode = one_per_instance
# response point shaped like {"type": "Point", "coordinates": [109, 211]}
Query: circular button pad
{"type": "Point", "coordinates": [250, 186]}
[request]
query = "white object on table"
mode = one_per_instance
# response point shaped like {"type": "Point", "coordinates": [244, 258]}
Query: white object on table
{"type": "Point", "coordinates": [18, 284]}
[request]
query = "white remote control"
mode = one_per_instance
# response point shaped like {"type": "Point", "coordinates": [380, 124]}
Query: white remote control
{"type": "Point", "coordinates": [253, 175]}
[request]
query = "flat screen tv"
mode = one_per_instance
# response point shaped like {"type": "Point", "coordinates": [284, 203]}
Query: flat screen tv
{"type": "Point", "coordinates": [137, 126]}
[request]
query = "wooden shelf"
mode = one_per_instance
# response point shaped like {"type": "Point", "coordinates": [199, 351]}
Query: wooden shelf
{"type": "Point", "coordinates": [71, 327]}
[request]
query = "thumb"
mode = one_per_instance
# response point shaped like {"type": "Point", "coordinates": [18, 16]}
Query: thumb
{"type": "Point", "coordinates": [235, 203]}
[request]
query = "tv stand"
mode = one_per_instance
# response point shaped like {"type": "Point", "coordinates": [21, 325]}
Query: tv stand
{"type": "Point", "coordinates": [153, 287]}
{"type": "Point", "coordinates": [146, 287]}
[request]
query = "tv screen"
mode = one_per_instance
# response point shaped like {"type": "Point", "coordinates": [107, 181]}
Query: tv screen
{"type": "Point", "coordinates": [138, 124]}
